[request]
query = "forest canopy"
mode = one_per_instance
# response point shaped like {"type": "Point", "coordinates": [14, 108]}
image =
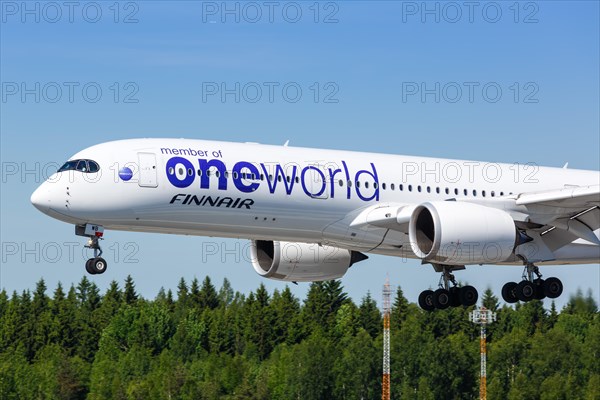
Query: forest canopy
{"type": "Point", "coordinates": [204, 342]}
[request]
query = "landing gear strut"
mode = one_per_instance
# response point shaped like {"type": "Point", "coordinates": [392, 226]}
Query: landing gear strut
{"type": "Point", "coordinates": [532, 286]}
{"type": "Point", "coordinates": [447, 296]}
{"type": "Point", "coordinates": [97, 264]}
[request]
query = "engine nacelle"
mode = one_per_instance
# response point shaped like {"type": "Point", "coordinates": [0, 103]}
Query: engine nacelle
{"type": "Point", "coordinates": [456, 233]}
{"type": "Point", "coordinates": [301, 262]}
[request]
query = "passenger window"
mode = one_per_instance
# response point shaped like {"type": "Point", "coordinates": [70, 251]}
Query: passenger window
{"type": "Point", "coordinates": [392, 187]}
{"type": "Point", "coordinates": [341, 182]}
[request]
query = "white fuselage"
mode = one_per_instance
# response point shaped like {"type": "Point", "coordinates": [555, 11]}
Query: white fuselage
{"type": "Point", "coordinates": [253, 191]}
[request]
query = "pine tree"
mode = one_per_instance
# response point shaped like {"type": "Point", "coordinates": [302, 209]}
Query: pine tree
{"type": "Point", "coordinates": [225, 293]}
{"type": "Point", "coordinates": [207, 296]}
{"type": "Point", "coordinates": [369, 316]}
{"type": "Point", "coordinates": [195, 293]}
{"type": "Point", "coordinates": [259, 322]}
{"type": "Point", "coordinates": [315, 312]}
{"type": "Point", "coordinates": [130, 296]}
{"type": "Point", "coordinates": [335, 295]}
{"type": "Point", "coordinates": [64, 310]}
{"type": "Point", "coordinates": [399, 308]}
{"type": "Point", "coordinates": [182, 293]}
{"type": "Point", "coordinates": [553, 315]}
{"type": "Point", "coordinates": [490, 301]}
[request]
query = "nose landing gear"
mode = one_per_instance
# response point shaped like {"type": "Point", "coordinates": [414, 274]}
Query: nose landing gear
{"type": "Point", "coordinates": [97, 264]}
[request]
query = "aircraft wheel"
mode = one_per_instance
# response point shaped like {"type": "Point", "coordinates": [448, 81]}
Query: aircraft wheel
{"type": "Point", "coordinates": [441, 299]}
{"type": "Point", "coordinates": [553, 288]}
{"type": "Point", "coordinates": [468, 296]}
{"type": "Point", "coordinates": [98, 265]}
{"type": "Point", "coordinates": [525, 291]}
{"type": "Point", "coordinates": [539, 285]}
{"type": "Point", "coordinates": [426, 300]}
{"type": "Point", "coordinates": [454, 296]}
{"type": "Point", "coordinates": [88, 266]}
{"type": "Point", "coordinates": [509, 292]}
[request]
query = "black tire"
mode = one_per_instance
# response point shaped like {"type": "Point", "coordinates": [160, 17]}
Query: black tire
{"type": "Point", "coordinates": [509, 292]}
{"type": "Point", "coordinates": [454, 296]}
{"type": "Point", "coordinates": [88, 267]}
{"type": "Point", "coordinates": [99, 265]}
{"type": "Point", "coordinates": [540, 289]}
{"type": "Point", "coordinates": [441, 299]}
{"type": "Point", "coordinates": [525, 291]}
{"type": "Point", "coordinates": [426, 300]}
{"type": "Point", "coordinates": [553, 288]}
{"type": "Point", "coordinates": [468, 296]}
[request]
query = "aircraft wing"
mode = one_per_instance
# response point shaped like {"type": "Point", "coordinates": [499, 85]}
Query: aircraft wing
{"type": "Point", "coordinates": [573, 209]}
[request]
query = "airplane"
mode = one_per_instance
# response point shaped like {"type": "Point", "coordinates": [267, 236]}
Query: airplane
{"type": "Point", "coordinates": [311, 214]}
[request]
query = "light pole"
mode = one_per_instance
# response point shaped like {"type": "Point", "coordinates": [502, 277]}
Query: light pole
{"type": "Point", "coordinates": [483, 317]}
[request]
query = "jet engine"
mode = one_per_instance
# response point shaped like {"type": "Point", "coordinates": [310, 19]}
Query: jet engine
{"type": "Point", "coordinates": [301, 262]}
{"type": "Point", "coordinates": [457, 233]}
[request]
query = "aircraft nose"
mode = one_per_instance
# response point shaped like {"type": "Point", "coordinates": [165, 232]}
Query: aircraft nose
{"type": "Point", "coordinates": [40, 198]}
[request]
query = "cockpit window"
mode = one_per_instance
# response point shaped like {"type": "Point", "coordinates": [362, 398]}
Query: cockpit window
{"type": "Point", "coordinates": [80, 165]}
{"type": "Point", "coordinates": [93, 166]}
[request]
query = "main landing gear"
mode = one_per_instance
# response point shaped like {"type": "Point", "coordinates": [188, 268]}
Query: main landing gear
{"type": "Point", "coordinates": [97, 264]}
{"type": "Point", "coordinates": [532, 286]}
{"type": "Point", "coordinates": [447, 296]}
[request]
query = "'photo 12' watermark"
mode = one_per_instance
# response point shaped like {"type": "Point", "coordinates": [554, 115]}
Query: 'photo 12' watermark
{"type": "Point", "coordinates": [70, 92]}
{"type": "Point", "coordinates": [66, 252]}
{"type": "Point", "coordinates": [470, 92]}
{"type": "Point", "coordinates": [254, 12]}
{"type": "Point", "coordinates": [270, 92]}
{"type": "Point", "coordinates": [53, 12]}
{"type": "Point", "coordinates": [453, 12]}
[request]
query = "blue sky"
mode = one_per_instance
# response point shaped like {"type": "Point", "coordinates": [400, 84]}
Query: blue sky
{"type": "Point", "coordinates": [354, 66]}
